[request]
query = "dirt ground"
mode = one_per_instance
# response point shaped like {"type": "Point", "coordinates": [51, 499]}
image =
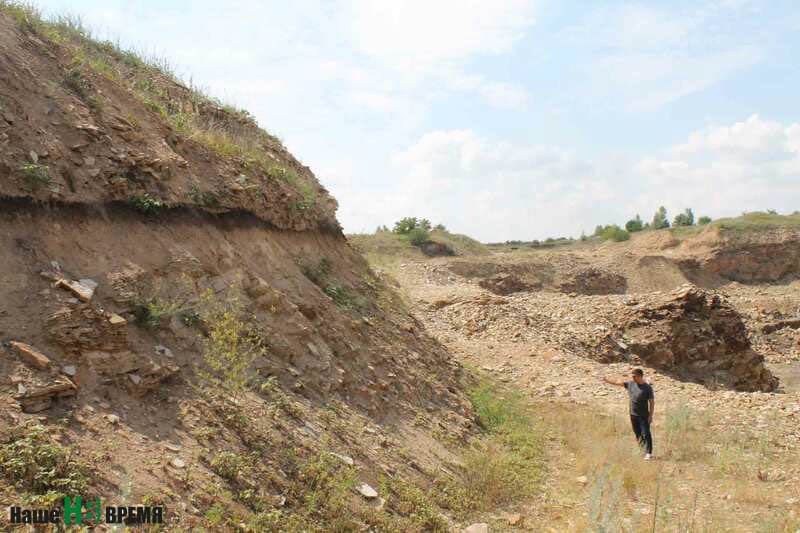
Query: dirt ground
{"type": "Point", "coordinates": [724, 460]}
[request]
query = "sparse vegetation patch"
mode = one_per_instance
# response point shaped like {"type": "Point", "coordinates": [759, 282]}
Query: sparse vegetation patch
{"type": "Point", "coordinates": [34, 463]}
{"type": "Point", "coordinates": [36, 176]}
{"type": "Point", "coordinates": [146, 204]}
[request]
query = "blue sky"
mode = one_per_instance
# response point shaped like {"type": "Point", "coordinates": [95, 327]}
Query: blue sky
{"type": "Point", "coordinates": [504, 120]}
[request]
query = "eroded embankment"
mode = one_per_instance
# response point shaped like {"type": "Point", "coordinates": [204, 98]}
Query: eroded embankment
{"type": "Point", "coordinates": [354, 348]}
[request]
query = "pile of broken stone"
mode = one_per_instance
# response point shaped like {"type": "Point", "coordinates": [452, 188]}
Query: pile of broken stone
{"type": "Point", "coordinates": [94, 347]}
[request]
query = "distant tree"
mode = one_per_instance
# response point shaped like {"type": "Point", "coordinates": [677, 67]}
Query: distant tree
{"type": "Point", "coordinates": [381, 229]}
{"type": "Point", "coordinates": [583, 236]}
{"type": "Point", "coordinates": [598, 230]}
{"type": "Point", "coordinates": [440, 227]}
{"type": "Point", "coordinates": [771, 212]}
{"type": "Point", "coordinates": [425, 224]}
{"type": "Point", "coordinates": [704, 220]}
{"type": "Point", "coordinates": [660, 219]}
{"type": "Point", "coordinates": [634, 224]}
{"type": "Point", "coordinates": [405, 225]}
{"type": "Point", "coordinates": [684, 219]}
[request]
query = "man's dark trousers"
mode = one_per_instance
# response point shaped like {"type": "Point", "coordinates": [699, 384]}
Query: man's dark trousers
{"type": "Point", "coordinates": [641, 427]}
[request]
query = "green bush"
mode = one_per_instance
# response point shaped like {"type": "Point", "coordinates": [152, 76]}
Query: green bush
{"type": "Point", "coordinates": [702, 221]}
{"type": "Point", "coordinates": [406, 225]}
{"type": "Point", "coordinates": [232, 345]}
{"type": "Point", "coordinates": [152, 313]}
{"type": "Point", "coordinates": [634, 224]}
{"type": "Point", "coordinates": [418, 236]}
{"type": "Point", "coordinates": [611, 232]}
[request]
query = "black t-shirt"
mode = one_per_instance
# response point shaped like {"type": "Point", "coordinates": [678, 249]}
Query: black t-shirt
{"type": "Point", "coordinates": [639, 395]}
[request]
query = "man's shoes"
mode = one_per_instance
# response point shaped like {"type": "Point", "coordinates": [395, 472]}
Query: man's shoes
{"type": "Point", "coordinates": [647, 457]}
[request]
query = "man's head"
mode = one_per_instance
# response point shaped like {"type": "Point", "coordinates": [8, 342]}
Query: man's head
{"type": "Point", "coordinates": [638, 375]}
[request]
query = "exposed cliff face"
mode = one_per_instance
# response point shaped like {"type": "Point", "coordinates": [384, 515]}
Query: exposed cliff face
{"type": "Point", "coordinates": [693, 334]}
{"type": "Point", "coordinates": [364, 348]}
{"type": "Point", "coordinates": [759, 255]}
{"type": "Point", "coordinates": [772, 256]}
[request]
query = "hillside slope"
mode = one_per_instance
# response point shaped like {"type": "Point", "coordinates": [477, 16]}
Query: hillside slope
{"type": "Point", "coordinates": [183, 322]}
{"type": "Point", "coordinates": [85, 122]}
{"type": "Point", "coordinates": [386, 244]}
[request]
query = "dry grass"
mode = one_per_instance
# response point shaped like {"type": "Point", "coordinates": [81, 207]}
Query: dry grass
{"type": "Point", "coordinates": [706, 481]}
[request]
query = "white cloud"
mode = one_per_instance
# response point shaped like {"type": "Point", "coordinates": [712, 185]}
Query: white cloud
{"type": "Point", "coordinates": [752, 164]}
{"type": "Point", "coordinates": [420, 34]}
{"type": "Point", "coordinates": [497, 191]}
{"type": "Point", "coordinates": [750, 136]}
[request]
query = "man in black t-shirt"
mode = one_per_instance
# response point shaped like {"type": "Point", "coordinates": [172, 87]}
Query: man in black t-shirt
{"type": "Point", "coordinates": [641, 408]}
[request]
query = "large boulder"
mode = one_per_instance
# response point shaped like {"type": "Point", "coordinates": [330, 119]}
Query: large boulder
{"type": "Point", "coordinates": [693, 334]}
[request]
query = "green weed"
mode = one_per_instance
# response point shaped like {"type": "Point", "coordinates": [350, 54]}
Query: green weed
{"type": "Point", "coordinates": [153, 313]}
{"type": "Point", "coordinates": [232, 345]}
{"type": "Point", "coordinates": [146, 204]}
{"type": "Point", "coordinates": [34, 463]}
{"type": "Point", "coordinates": [36, 176]}
{"type": "Point", "coordinates": [340, 295]}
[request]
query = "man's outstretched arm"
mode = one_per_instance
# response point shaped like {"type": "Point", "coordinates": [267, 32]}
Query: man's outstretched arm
{"type": "Point", "coordinates": [613, 381]}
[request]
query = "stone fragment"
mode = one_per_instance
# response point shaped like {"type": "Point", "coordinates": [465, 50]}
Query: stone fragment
{"type": "Point", "coordinates": [116, 320]}
{"type": "Point", "coordinates": [30, 355]}
{"type": "Point", "coordinates": [367, 491]}
{"type": "Point", "coordinates": [344, 458]}
{"type": "Point", "coordinates": [39, 399]}
{"type": "Point", "coordinates": [177, 462]}
{"type": "Point", "coordinates": [83, 292]}
{"type": "Point", "coordinates": [480, 527]}
{"type": "Point", "coordinates": [69, 370]}
{"type": "Point", "coordinates": [163, 350]}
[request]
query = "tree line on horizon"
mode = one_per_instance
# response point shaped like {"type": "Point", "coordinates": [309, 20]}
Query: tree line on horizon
{"type": "Point", "coordinates": [659, 221]}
